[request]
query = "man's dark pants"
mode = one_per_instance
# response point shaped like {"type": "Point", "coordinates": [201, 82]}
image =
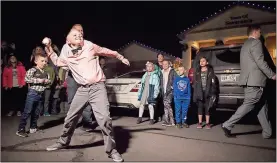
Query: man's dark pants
{"type": "Point", "coordinates": [254, 98]}
{"type": "Point", "coordinates": [47, 100]}
{"type": "Point", "coordinates": [72, 87]}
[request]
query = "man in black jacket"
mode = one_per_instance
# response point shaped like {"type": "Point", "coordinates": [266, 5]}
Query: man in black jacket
{"type": "Point", "coordinates": [167, 78]}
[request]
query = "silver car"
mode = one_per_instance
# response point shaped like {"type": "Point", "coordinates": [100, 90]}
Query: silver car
{"type": "Point", "coordinates": [123, 90]}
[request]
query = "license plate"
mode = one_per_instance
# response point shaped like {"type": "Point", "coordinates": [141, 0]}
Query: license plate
{"type": "Point", "coordinates": [229, 78]}
{"type": "Point", "coordinates": [113, 88]}
{"type": "Point", "coordinates": [116, 87]}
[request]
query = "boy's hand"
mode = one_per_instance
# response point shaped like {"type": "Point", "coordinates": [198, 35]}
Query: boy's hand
{"type": "Point", "coordinates": [47, 81]}
{"type": "Point", "coordinates": [40, 80]}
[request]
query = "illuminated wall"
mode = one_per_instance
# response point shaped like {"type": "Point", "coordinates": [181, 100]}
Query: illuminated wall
{"type": "Point", "coordinates": [270, 44]}
{"type": "Point", "coordinates": [206, 44]}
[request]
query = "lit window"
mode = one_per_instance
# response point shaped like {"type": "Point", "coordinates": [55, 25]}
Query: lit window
{"type": "Point", "coordinates": [274, 54]}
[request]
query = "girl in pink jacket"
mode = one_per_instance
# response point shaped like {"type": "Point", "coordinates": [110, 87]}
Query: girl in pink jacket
{"type": "Point", "coordinates": [13, 83]}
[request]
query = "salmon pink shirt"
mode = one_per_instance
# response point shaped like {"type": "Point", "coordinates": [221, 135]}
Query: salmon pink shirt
{"type": "Point", "coordinates": [84, 65]}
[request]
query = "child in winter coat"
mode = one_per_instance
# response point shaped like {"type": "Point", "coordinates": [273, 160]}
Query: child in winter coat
{"type": "Point", "coordinates": [205, 91]}
{"type": "Point", "coordinates": [13, 82]}
{"type": "Point", "coordinates": [182, 95]}
{"type": "Point", "coordinates": [149, 91]}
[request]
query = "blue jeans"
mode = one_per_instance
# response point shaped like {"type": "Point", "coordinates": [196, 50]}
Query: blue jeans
{"type": "Point", "coordinates": [72, 87]}
{"type": "Point", "coordinates": [181, 110]}
{"type": "Point", "coordinates": [34, 102]}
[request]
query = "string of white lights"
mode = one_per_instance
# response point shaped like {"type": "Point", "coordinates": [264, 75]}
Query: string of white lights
{"type": "Point", "coordinates": [224, 9]}
{"type": "Point", "coordinates": [146, 46]}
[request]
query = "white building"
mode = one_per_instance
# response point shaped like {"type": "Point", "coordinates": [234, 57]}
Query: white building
{"type": "Point", "coordinates": [229, 25]}
{"type": "Point", "coordinates": [138, 54]}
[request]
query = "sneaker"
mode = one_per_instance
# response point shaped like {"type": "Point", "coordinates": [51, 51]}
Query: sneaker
{"type": "Point", "coordinates": [87, 128]}
{"type": "Point", "coordinates": [46, 114]}
{"type": "Point", "coordinates": [151, 121]}
{"type": "Point", "coordinates": [139, 120]}
{"type": "Point", "coordinates": [56, 146]}
{"type": "Point", "coordinates": [19, 113]}
{"type": "Point", "coordinates": [208, 126]}
{"type": "Point", "coordinates": [33, 130]}
{"type": "Point", "coordinates": [10, 113]}
{"type": "Point", "coordinates": [164, 124]}
{"type": "Point", "coordinates": [185, 125]}
{"type": "Point", "coordinates": [116, 157]}
{"type": "Point", "coordinates": [160, 119]}
{"type": "Point", "coordinates": [170, 124]}
{"type": "Point", "coordinates": [199, 126]}
{"type": "Point", "coordinates": [227, 132]}
{"type": "Point", "coordinates": [178, 125]}
{"type": "Point", "coordinates": [21, 133]}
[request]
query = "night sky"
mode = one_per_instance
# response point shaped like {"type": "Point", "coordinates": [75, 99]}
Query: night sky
{"type": "Point", "coordinates": [109, 24]}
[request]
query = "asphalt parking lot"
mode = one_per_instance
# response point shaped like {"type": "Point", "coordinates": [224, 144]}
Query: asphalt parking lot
{"type": "Point", "coordinates": [141, 142]}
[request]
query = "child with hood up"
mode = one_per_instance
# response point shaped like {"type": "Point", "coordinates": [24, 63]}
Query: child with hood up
{"type": "Point", "coordinates": [149, 91]}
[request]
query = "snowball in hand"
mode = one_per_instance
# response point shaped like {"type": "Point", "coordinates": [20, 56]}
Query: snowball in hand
{"type": "Point", "coordinates": [46, 41]}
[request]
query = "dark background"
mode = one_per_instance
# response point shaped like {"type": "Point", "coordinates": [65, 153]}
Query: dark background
{"type": "Point", "coordinates": [109, 24]}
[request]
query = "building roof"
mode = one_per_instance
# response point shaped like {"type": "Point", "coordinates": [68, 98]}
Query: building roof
{"type": "Point", "coordinates": [221, 11]}
{"type": "Point", "coordinates": [145, 46]}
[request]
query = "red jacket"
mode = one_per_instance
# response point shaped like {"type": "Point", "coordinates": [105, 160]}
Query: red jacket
{"type": "Point", "coordinates": [8, 76]}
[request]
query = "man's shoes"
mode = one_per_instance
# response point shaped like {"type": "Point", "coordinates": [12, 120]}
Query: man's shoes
{"type": "Point", "coordinates": [56, 146]}
{"type": "Point", "coordinates": [227, 132]}
{"type": "Point", "coordinates": [116, 157]}
{"type": "Point", "coordinates": [21, 133]}
{"type": "Point", "coordinates": [139, 120]}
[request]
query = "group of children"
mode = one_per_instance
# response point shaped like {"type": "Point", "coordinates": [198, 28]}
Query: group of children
{"type": "Point", "coordinates": [175, 89]}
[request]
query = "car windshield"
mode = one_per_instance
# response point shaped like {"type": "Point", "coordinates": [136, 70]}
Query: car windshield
{"type": "Point", "coordinates": [138, 74]}
{"type": "Point", "coordinates": [227, 57]}
{"type": "Point", "coordinates": [219, 57]}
